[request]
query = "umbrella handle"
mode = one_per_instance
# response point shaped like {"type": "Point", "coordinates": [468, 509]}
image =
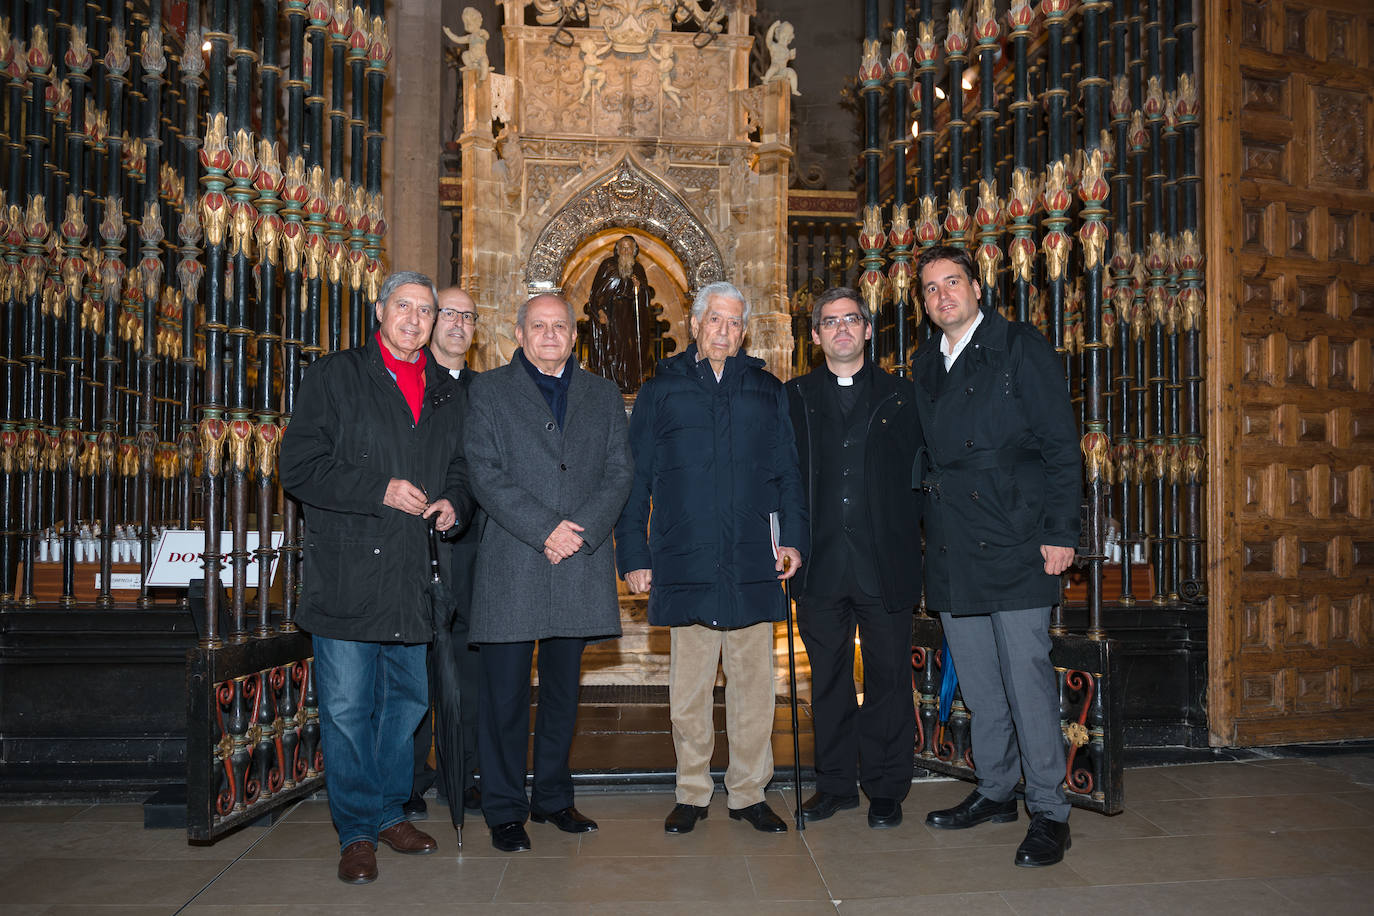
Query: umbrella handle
{"type": "Point", "coordinates": [433, 548]}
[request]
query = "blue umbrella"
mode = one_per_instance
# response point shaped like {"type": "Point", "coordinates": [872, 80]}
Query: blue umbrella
{"type": "Point", "coordinates": [949, 682]}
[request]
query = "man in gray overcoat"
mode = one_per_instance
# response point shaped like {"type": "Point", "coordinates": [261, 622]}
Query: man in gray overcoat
{"type": "Point", "coordinates": [550, 464]}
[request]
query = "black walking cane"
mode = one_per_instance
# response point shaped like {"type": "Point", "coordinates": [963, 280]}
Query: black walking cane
{"type": "Point", "coordinates": [792, 679]}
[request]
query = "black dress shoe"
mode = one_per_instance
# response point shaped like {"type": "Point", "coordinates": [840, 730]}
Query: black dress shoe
{"type": "Point", "coordinates": [972, 811]}
{"type": "Point", "coordinates": [1045, 842]}
{"type": "Point", "coordinates": [510, 837]}
{"type": "Point", "coordinates": [761, 816]}
{"type": "Point", "coordinates": [472, 798]}
{"type": "Point", "coordinates": [684, 817]}
{"type": "Point", "coordinates": [415, 809]}
{"type": "Point", "coordinates": [569, 820]}
{"type": "Point", "coordinates": [884, 812]}
{"type": "Point", "coordinates": [822, 805]}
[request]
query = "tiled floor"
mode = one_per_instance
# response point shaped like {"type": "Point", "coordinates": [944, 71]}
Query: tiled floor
{"type": "Point", "coordinates": [1254, 837]}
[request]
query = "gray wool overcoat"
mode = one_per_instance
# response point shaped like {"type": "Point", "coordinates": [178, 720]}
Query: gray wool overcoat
{"type": "Point", "coordinates": [528, 475]}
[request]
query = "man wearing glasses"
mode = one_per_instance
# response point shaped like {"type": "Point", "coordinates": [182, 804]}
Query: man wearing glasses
{"type": "Point", "coordinates": [857, 435]}
{"type": "Point", "coordinates": [448, 346]}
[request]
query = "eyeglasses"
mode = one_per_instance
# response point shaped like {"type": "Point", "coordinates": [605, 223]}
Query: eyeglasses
{"type": "Point", "coordinates": [453, 315]}
{"type": "Point", "coordinates": [852, 320]}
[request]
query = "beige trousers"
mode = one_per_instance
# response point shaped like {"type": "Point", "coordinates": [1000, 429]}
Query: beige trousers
{"type": "Point", "coordinates": [747, 655]}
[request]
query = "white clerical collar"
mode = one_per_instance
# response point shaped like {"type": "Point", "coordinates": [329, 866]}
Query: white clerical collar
{"type": "Point", "coordinates": [844, 382]}
{"type": "Point", "coordinates": [951, 355]}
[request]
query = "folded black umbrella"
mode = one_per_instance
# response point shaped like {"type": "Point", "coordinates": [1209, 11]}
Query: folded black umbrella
{"type": "Point", "coordinates": [445, 681]}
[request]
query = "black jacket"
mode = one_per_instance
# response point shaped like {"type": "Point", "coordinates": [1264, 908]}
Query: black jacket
{"type": "Point", "coordinates": [1002, 470]}
{"type": "Point", "coordinates": [366, 565]}
{"type": "Point", "coordinates": [894, 506]}
{"type": "Point", "coordinates": [716, 458]}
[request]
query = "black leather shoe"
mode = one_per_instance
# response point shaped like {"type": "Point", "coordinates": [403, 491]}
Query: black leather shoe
{"type": "Point", "coordinates": [822, 805]}
{"type": "Point", "coordinates": [1045, 842]}
{"type": "Point", "coordinates": [972, 811]}
{"type": "Point", "coordinates": [472, 798]}
{"type": "Point", "coordinates": [510, 837]}
{"type": "Point", "coordinates": [761, 816]}
{"type": "Point", "coordinates": [569, 820]}
{"type": "Point", "coordinates": [415, 809]}
{"type": "Point", "coordinates": [684, 817]}
{"type": "Point", "coordinates": [884, 812]}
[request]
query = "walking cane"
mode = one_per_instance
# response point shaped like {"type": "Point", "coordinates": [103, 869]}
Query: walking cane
{"type": "Point", "coordinates": [792, 679]}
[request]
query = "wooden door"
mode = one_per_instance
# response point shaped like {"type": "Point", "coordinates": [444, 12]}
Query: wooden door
{"type": "Point", "coordinates": [1290, 198]}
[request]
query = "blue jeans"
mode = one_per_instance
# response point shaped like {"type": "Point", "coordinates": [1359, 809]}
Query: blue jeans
{"type": "Point", "coordinates": [372, 696]}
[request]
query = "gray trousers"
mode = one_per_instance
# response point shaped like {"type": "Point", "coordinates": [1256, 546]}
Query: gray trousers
{"type": "Point", "coordinates": [1009, 687]}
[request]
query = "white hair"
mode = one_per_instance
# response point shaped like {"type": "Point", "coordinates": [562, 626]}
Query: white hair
{"type": "Point", "coordinates": [725, 291]}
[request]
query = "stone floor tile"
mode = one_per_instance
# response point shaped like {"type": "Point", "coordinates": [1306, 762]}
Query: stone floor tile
{"type": "Point", "coordinates": [786, 878]}
{"type": "Point", "coordinates": [1218, 780]}
{"type": "Point", "coordinates": [1328, 893]}
{"type": "Point", "coordinates": [846, 831]}
{"type": "Point", "coordinates": [1241, 814]}
{"type": "Point", "coordinates": [123, 814]}
{"type": "Point", "coordinates": [963, 904]}
{"type": "Point", "coordinates": [717, 908]}
{"type": "Point", "coordinates": [1187, 898]}
{"type": "Point", "coordinates": [1349, 849]}
{"type": "Point", "coordinates": [624, 879]}
{"type": "Point", "coordinates": [1361, 800]}
{"type": "Point", "coordinates": [863, 874]}
{"type": "Point", "coordinates": [39, 814]}
{"type": "Point", "coordinates": [1154, 784]}
{"type": "Point", "coordinates": [402, 880]}
{"type": "Point", "coordinates": [154, 884]}
{"type": "Point", "coordinates": [1193, 858]}
{"type": "Point", "coordinates": [717, 835]}
{"type": "Point", "coordinates": [603, 806]}
{"type": "Point", "coordinates": [97, 839]}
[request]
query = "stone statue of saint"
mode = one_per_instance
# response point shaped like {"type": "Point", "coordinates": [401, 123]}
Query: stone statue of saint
{"type": "Point", "coordinates": [623, 323]}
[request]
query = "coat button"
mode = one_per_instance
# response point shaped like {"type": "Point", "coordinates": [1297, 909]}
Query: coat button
{"type": "Point", "coordinates": [562, 467]}
{"type": "Point", "coordinates": [973, 495]}
{"type": "Point", "coordinates": [884, 419]}
{"type": "Point", "coordinates": [968, 443]}
{"type": "Point", "coordinates": [845, 500]}
{"type": "Point", "coordinates": [982, 545]}
{"type": "Point", "coordinates": [943, 548]}
{"type": "Point", "coordinates": [968, 390]}
{"type": "Point", "coordinates": [549, 426]}
{"type": "Point", "coordinates": [376, 550]}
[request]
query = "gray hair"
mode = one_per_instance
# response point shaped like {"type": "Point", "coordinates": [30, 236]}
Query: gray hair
{"type": "Point", "coordinates": [403, 278]}
{"type": "Point", "coordinates": [725, 291]}
{"type": "Point", "coordinates": [525, 307]}
{"type": "Point", "coordinates": [835, 294]}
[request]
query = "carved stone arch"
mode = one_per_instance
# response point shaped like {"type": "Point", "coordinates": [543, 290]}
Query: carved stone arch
{"type": "Point", "coordinates": [625, 195]}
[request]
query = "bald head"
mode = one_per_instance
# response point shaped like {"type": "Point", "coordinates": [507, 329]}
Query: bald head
{"type": "Point", "coordinates": [453, 329]}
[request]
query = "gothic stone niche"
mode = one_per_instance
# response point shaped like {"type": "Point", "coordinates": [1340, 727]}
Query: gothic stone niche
{"type": "Point", "coordinates": [625, 197]}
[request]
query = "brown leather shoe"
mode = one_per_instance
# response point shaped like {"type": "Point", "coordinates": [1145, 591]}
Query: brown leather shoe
{"type": "Point", "coordinates": [406, 838]}
{"type": "Point", "coordinates": [358, 863]}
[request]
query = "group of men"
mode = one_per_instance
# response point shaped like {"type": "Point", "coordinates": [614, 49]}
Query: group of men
{"type": "Point", "coordinates": [724, 484]}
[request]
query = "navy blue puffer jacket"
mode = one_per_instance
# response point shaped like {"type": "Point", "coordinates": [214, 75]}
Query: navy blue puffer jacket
{"type": "Point", "coordinates": [715, 459]}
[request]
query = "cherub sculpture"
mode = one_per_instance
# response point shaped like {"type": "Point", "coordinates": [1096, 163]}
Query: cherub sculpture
{"type": "Point", "coordinates": [593, 77]}
{"type": "Point", "coordinates": [666, 62]}
{"type": "Point", "coordinates": [780, 55]}
{"type": "Point", "coordinates": [475, 41]}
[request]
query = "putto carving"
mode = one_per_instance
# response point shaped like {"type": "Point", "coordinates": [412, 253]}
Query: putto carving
{"type": "Point", "coordinates": [627, 197]}
{"type": "Point", "coordinates": [779, 39]}
{"type": "Point", "coordinates": [474, 43]}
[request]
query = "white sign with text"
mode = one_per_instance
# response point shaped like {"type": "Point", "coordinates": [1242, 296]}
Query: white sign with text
{"type": "Point", "coordinates": [179, 558]}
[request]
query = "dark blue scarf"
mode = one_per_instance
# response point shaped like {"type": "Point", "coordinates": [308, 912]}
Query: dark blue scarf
{"type": "Point", "coordinates": [554, 388]}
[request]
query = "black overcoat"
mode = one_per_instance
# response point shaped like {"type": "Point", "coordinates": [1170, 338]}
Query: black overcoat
{"type": "Point", "coordinates": [716, 459]}
{"type": "Point", "coordinates": [1002, 471]}
{"type": "Point", "coordinates": [365, 566]}
{"type": "Point", "coordinates": [894, 504]}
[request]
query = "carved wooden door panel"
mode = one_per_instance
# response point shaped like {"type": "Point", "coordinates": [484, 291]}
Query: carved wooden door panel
{"type": "Point", "coordinates": [1289, 218]}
